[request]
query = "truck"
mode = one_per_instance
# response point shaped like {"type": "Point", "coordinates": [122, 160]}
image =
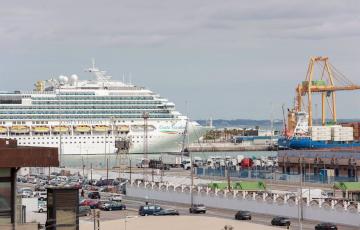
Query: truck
{"type": "Point", "coordinates": [164, 164]}
{"type": "Point", "coordinates": [313, 194]}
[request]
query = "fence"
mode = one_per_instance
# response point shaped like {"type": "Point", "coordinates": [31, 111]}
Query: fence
{"type": "Point", "coordinates": [340, 212]}
{"type": "Point", "coordinates": [263, 174]}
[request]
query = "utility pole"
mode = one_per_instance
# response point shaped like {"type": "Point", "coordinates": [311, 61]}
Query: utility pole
{"type": "Point", "coordinates": [228, 176]}
{"type": "Point", "coordinates": [91, 172]}
{"type": "Point", "coordinates": [98, 219]}
{"type": "Point", "coordinates": [192, 179]}
{"type": "Point", "coordinates": [94, 217]}
{"type": "Point", "coordinates": [107, 172]}
{"type": "Point", "coordinates": [300, 206]}
{"type": "Point", "coordinates": [145, 139]}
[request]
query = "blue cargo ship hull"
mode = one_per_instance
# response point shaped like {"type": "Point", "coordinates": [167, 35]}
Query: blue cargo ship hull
{"type": "Point", "coordinates": [308, 143]}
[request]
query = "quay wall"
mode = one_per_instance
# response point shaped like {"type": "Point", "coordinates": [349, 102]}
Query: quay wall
{"type": "Point", "coordinates": [226, 146]}
{"type": "Point", "coordinates": [341, 212]}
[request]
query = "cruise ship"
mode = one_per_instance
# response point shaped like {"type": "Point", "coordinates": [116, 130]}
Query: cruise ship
{"type": "Point", "coordinates": [85, 117]}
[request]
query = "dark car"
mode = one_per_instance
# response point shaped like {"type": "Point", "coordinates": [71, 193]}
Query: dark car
{"type": "Point", "coordinates": [243, 215]}
{"type": "Point", "coordinates": [326, 226]}
{"type": "Point", "coordinates": [197, 208]}
{"type": "Point", "coordinates": [110, 206]}
{"type": "Point", "coordinates": [148, 210]}
{"type": "Point", "coordinates": [94, 195]}
{"type": "Point", "coordinates": [280, 221]}
{"type": "Point", "coordinates": [167, 212]}
{"type": "Point", "coordinates": [84, 210]}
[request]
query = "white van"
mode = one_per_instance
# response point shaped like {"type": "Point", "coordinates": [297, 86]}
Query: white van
{"type": "Point", "coordinates": [41, 195]}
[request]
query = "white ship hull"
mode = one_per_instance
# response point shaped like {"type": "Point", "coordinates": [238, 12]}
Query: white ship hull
{"type": "Point", "coordinates": [158, 141]}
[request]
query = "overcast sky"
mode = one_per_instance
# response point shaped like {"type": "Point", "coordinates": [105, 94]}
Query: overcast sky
{"type": "Point", "coordinates": [229, 59]}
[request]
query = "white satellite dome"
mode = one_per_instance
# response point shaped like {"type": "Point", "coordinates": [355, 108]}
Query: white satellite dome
{"type": "Point", "coordinates": [74, 78]}
{"type": "Point", "coordinates": [63, 79]}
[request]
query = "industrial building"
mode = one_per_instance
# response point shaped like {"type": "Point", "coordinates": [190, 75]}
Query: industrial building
{"type": "Point", "coordinates": [337, 164]}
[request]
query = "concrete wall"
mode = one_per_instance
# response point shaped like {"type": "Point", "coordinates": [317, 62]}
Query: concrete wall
{"type": "Point", "coordinates": [341, 213]}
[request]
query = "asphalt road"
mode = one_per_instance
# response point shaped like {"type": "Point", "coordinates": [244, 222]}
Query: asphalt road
{"type": "Point", "coordinates": [134, 203]}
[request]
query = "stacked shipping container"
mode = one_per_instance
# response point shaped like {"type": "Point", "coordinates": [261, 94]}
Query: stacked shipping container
{"type": "Point", "coordinates": [320, 133]}
{"type": "Point", "coordinates": [356, 129]}
{"type": "Point", "coordinates": [340, 133]}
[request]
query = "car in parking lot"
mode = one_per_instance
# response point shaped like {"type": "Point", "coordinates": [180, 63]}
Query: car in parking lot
{"type": "Point", "coordinates": [243, 215]}
{"type": "Point", "coordinates": [110, 206]}
{"type": "Point", "coordinates": [116, 197]}
{"type": "Point", "coordinates": [41, 195]}
{"type": "Point", "coordinates": [167, 212]}
{"type": "Point", "coordinates": [326, 226]}
{"type": "Point", "coordinates": [26, 192]}
{"type": "Point", "coordinates": [148, 210]}
{"type": "Point", "coordinates": [94, 195]}
{"type": "Point", "coordinates": [280, 221]}
{"type": "Point", "coordinates": [197, 208]}
{"type": "Point", "coordinates": [90, 203]}
{"type": "Point", "coordinates": [42, 206]}
{"type": "Point", "coordinates": [84, 210]}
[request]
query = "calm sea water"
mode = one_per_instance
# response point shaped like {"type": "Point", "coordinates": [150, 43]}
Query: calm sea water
{"type": "Point", "coordinates": [100, 161]}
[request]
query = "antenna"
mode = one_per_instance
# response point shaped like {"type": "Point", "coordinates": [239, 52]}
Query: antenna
{"type": "Point", "coordinates": [93, 63]}
{"type": "Point", "coordinates": [130, 77]}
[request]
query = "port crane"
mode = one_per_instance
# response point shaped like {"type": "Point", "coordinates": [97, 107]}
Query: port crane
{"type": "Point", "coordinates": [325, 85]}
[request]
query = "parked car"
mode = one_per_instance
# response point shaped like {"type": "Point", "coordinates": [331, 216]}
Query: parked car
{"type": "Point", "coordinates": [326, 226]}
{"type": "Point", "coordinates": [42, 206]}
{"type": "Point", "coordinates": [113, 206]}
{"type": "Point", "coordinates": [280, 221]}
{"type": "Point", "coordinates": [167, 212]}
{"type": "Point", "coordinates": [148, 210]}
{"type": "Point", "coordinates": [26, 192]}
{"type": "Point", "coordinates": [94, 195]}
{"type": "Point", "coordinates": [84, 210]}
{"type": "Point", "coordinates": [197, 208]}
{"type": "Point", "coordinates": [101, 203]}
{"type": "Point", "coordinates": [90, 203]}
{"type": "Point", "coordinates": [116, 197]}
{"type": "Point", "coordinates": [41, 195]}
{"type": "Point", "coordinates": [243, 215]}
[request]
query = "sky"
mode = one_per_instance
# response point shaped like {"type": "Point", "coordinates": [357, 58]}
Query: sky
{"type": "Point", "coordinates": [223, 59]}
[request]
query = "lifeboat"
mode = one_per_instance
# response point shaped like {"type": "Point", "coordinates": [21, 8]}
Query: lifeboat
{"type": "Point", "coordinates": [62, 129]}
{"type": "Point", "coordinates": [123, 128]}
{"type": "Point", "coordinates": [140, 128]}
{"type": "Point", "coordinates": [101, 128]}
{"type": "Point", "coordinates": [41, 129]}
{"type": "Point", "coordinates": [19, 129]}
{"type": "Point", "coordinates": [3, 129]}
{"type": "Point", "coordinates": [82, 128]}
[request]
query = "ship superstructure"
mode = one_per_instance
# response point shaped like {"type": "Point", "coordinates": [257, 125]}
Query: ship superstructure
{"type": "Point", "coordinates": [86, 116]}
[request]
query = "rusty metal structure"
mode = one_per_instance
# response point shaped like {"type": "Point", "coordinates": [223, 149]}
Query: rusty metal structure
{"type": "Point", "coordinates": [12, 158]}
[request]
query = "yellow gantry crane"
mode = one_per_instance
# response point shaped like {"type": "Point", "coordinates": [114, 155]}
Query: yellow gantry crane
{"type": "Point", "coordinates": [325, 85]}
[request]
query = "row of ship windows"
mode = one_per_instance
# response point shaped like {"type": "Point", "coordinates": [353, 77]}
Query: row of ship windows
{"type": "Point", "coordinates": [86, 107]}
{"type": "Point", "coordinates": [65, 142]}
{"type": "Point", "coordinates": [87, 102]}
{"type": "Point", "coordinates": [56, 138]}
{"type": "Point", "coordinates": [57, 111]}
{"type": "Point", "coordinates": [92, 98]}
{"type": "Point", "coordinates": [84, 116]}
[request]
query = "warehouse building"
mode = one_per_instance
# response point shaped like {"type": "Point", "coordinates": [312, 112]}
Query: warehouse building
{"type": "Point", "coordinates": [338, 164]}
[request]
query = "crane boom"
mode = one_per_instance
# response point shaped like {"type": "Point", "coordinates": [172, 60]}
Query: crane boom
{"type": "Point", "coordinates": [325, 86]}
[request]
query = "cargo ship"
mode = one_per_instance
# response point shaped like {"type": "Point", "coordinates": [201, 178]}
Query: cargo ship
{"type": "Point", "coordinates": [299, 131]}
{"type": "Point", "coordinates": [343, 136]}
